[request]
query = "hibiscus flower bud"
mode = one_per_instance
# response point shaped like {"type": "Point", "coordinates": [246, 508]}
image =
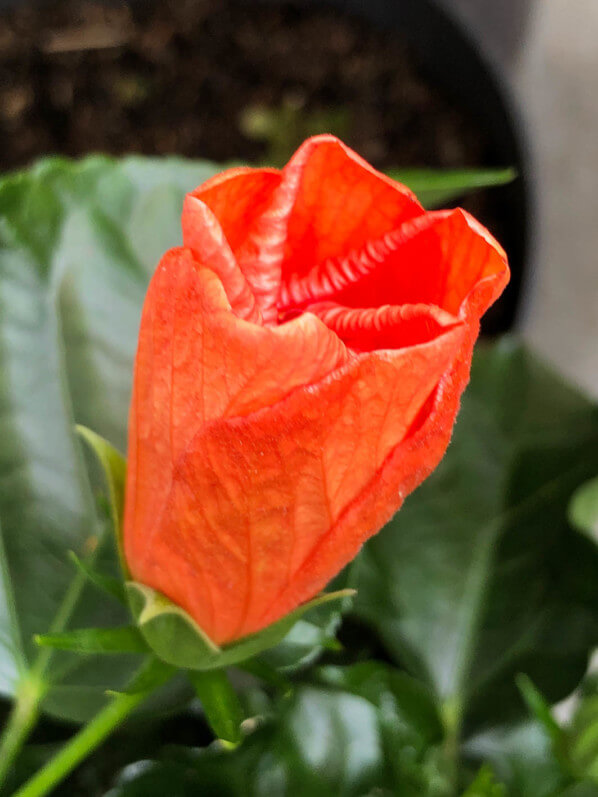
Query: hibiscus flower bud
{"type": "Point", "coordinates": [300, 364]}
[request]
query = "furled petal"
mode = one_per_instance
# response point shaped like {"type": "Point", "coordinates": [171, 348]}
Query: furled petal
{"type": "Point", "coordinates": [445, 258]}
{"type": "Point", "coordinates": [386, 327]}
{"type": "Point", "coordinates": [254, 497]}
{"type": "Point", "coordinates": [203, 234]}
{"type": "Point", "coordinates": [240, 199]}
{"type": "Point", "coordinates": [335, 204]}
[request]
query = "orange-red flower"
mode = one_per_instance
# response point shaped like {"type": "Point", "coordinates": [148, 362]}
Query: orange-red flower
{"type": "Point", "coordinates": [299, 369]}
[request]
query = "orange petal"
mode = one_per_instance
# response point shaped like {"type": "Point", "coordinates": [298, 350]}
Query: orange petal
{"type": "Point", "coordinates": [336, 204]}
{"type": "Point", "coordinates": [240, 199]}
{"type": "Point", "coordinates": [253, 497]}
{"type": "Point", "coordinates": [445, 258]}
{"type": "Point", "coordinates": [197, 362]}
{"type": "Point", "coordinates": [386, 327]}
{"type": "Point", "coordinates": [203, 234]}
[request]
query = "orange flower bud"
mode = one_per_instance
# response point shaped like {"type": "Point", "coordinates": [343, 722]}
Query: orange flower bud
{"type": "Point", "coordinates": [300, 364]}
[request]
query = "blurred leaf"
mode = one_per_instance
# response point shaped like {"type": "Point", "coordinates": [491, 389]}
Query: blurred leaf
{"type": "Point", "coordinates": [540, 709]}
{"type": "Point", "coordinates": [125, 639]}
{"type": "Point", "coordinates": [220, 703]}
{"type": "Point", "coordinates": [78, 242]}
{"type": "Point", "coordinates": [409, 704]}
{"type": "Point", "coordinates": [321, 742]}
{"type": "Point", "coordinates": [485, 785]}
{"type": "Point", "coordinates": [583, 509]}
{"type": "Point", "coordinates": [435, 187]}
{"type": "Point", "coordinates": [479, 576]}
{"type": "Point", "coordinates": [521, 756]}
{"type": "Point", "coordinates": [582, 748]}
{"type": "Point", "coordinates": [579, 790]}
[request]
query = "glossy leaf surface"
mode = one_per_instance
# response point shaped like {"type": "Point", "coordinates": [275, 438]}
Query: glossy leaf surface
{"type": "Point", "coordinates": [480, 577]}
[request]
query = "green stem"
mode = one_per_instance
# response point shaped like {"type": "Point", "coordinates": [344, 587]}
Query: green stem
{"type": "Point", "coordinates": [23, 717]}
{"type": "Point", "coordinates": [81, 745]}
{"type": "Point", "coordinates": [451, 713]}
{"type": "Point", "coordinates": [32, 688]}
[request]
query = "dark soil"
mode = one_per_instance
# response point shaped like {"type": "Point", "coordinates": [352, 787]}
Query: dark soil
{"type": "Point", "coordinates": [223, 80]}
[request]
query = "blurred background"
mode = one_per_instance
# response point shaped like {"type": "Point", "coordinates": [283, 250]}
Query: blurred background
{"type": "Point", "coordinates": [444, 83]}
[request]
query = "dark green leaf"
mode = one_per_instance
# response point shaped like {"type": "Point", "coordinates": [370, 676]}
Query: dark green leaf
{"type": "Point", "coordinates": [408, 704]}
{"type": "Point", "coordinates": [321, 742]}
{"type": "Point", "coordinates": [479, 576]}
{"type": "Point", "coordinates": [220, 703]}
{"type": "Point", "coordinates": [96, 640]}
{"type": "Point", "coordinates": [78, 242]}
{"type": "Point", "coordinates": [435, 187]}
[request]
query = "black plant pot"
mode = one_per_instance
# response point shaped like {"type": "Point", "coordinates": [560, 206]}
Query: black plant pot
{"type": "Point", "coordinates": [448, 58]}
{"type": "Point", "coordinates": [447, 55]}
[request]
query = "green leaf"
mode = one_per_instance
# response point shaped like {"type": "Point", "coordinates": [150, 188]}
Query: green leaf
{"type": "Point", "coordinates": [479, 576]}
{"type": "Point", "coordinates": [220, 703]}
{"type": "Point", "coordinates": [582, 733]}
{"type": "Point", "coordinates": [485, 785]}
{"type": "Point", "coordinates": [407, 703]}
{"type": "Point", "coordinates": [177, 639]}
{"type": "Point", "coordinates": [96, 640]}
{"type": "Point", "coordinates": [522, 757]}
{"type": "Point", "coordinates": [78, 242]}
{"type": "Point", "coordinates": [435, 187]}
{"type": "Point", "coordinates": [587, 789]}
{"type": "Point", "coordinates": [583, 509]}
{"type": "Point", "coordinates": [540, 709]}
{"type": "Point", "coordinates": [320, 742]}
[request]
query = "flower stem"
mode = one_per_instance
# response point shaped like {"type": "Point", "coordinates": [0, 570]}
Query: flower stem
{"type": "Point", "coordinates": [82, 744]}
{"type": "Point", "coordinates": [451, 712]}
{"type": "Point", "coordinates": [32, 688]}
{"type": "Point", "coordinates": [21, 720]}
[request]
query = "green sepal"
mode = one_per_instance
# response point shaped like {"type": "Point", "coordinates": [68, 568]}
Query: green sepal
{"type": "Point", "coordinates": [114, 466]}
{"type": "Point", "coordinates": [177, 639]}
{"type": "Point", "coordinates": [124, 639]}
{"type": "Point", "coordinates": [220, 703]}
